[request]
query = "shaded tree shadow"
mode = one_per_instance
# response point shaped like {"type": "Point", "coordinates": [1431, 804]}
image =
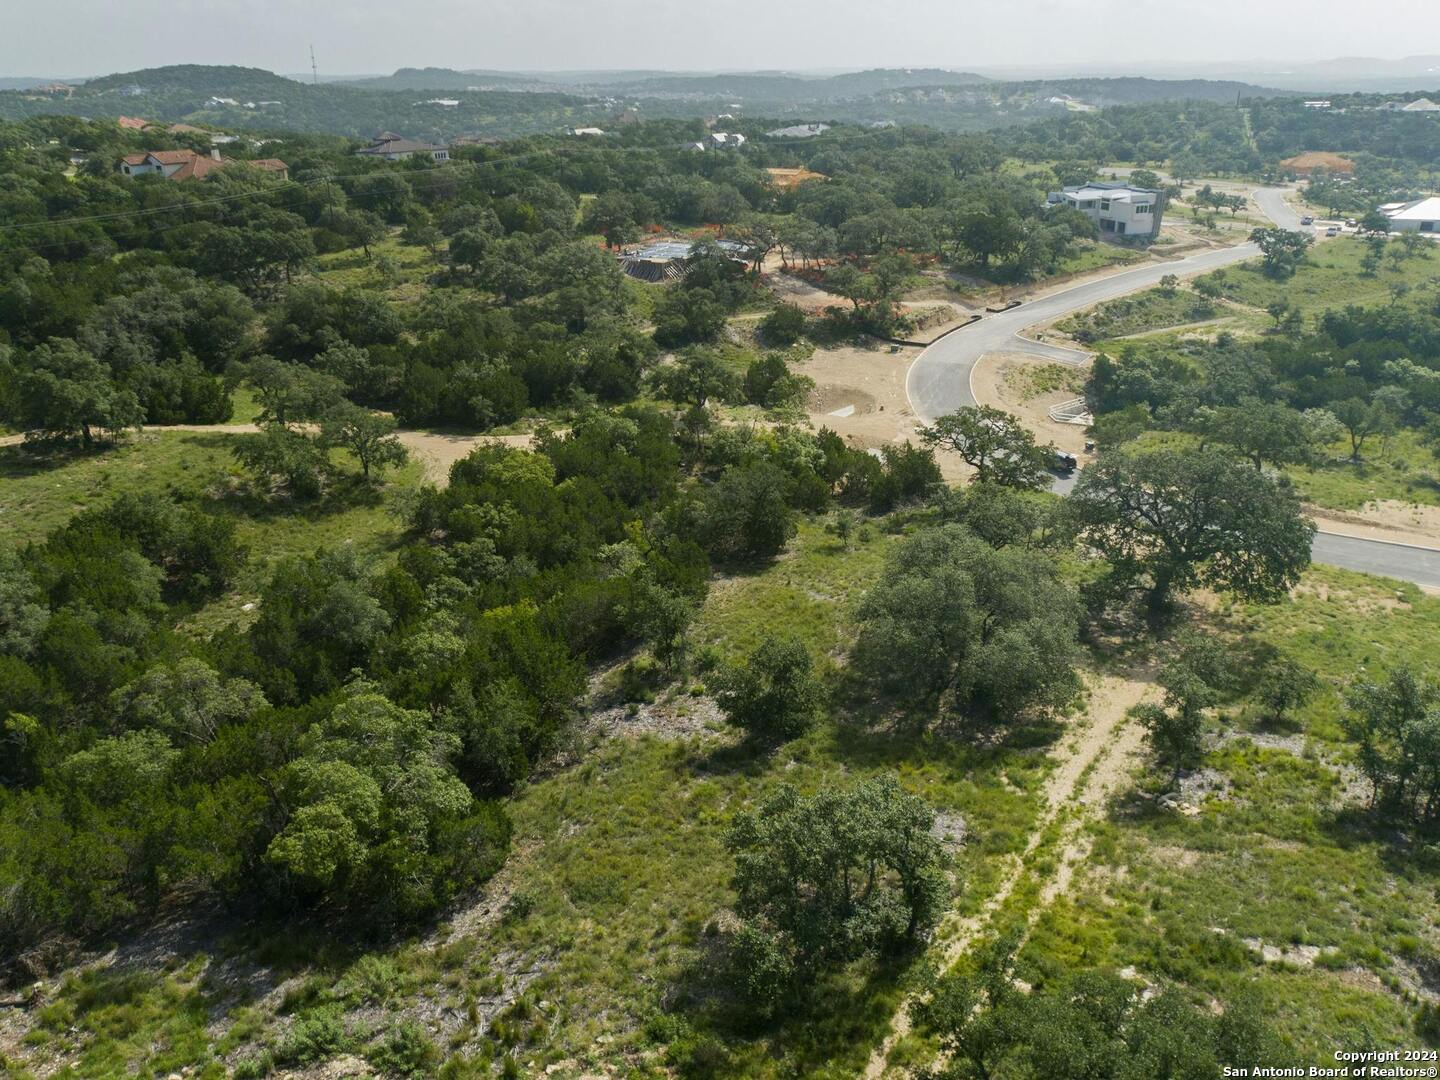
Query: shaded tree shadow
{"type": "Point", "coordinates": [842, 1012]}
{"type": "Point", "coordinates": [22, 460]}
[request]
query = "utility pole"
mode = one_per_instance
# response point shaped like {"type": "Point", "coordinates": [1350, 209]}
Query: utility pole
{"type": "Point", "coordinates": [314, 71]}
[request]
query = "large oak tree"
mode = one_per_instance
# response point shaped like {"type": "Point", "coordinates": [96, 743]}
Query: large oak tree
{"type": "Point", "coordinates": [1170, 519]}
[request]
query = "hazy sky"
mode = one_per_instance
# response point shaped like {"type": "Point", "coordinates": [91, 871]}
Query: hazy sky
{"type": "Point", "coordinates": [91, 37]}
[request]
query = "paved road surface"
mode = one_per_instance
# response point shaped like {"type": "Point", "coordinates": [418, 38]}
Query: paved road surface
{"type": "Point", "coordinates": [1420, 565]}
{"type": "Point", "coordinates": [939, 380]}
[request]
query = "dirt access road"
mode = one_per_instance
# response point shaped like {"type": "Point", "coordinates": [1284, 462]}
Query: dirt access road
{"type": "Point", "coordinates": [435, 450]}
{"type": "Point", "coordinates": [1095, 756]}
{"type": "Point", "coordinates": [941, 381]}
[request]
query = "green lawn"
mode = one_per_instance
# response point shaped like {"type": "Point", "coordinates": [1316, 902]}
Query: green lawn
{"type": "Point", "coordinates": [1091, 255]}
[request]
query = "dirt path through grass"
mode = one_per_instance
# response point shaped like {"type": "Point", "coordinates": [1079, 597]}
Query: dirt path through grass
{"type": "Point", "coordinates": [436, 450]}
{"type": "Point", "coordinates": [1093, 758]}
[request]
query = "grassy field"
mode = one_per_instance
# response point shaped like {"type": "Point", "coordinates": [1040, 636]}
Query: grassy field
{"type": "Point", "coordinates": [352, 267]}
{"type": "Point", "coordinates": [1089, 255]}
{"type": "Point", "coordinates": [1330, 278]}
{"type": "Point", "coordinates": [40, 493]}
{"type": "Point", "coordinates": [1280, 884]}
{"type": "Point", "coordinates": [1401, 469]}
{"type": "Point", "coordinates": [596, 946]}
{"type": "Point", "coordinates": [1153, 309]}
{"type": "Point", "coordinates": [246, 406]}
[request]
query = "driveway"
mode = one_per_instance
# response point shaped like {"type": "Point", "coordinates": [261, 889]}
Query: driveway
{"type": "Point", "coordinates": [938, 382]}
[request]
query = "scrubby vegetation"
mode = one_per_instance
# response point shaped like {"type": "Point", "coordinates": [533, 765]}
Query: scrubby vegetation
{"type": "Point", "coordinates": [672, 735]}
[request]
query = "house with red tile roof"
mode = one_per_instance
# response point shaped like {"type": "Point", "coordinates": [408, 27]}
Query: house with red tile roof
{"type": "Point", "coordinates": [133, 123]}
{"type": "Point", "coordinates": [188, 165]}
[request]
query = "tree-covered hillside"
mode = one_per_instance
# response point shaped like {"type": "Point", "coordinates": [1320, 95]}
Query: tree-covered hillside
{"type": "Point", "coordinates": [507, 106]}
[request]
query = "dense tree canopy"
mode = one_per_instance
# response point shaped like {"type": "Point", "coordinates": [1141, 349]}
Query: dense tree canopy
{"type": "Point", "coordinates": [1171, 519]}
{"type": "Point", "coordinates": [957, 623]}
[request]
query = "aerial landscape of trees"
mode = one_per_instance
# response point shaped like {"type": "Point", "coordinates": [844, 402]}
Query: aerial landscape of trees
{"type": "Point", "coordinates": [447, 651]}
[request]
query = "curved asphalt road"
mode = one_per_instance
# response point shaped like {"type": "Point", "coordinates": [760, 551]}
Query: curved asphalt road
{"type": "Point", "coordinates": [938, 382]}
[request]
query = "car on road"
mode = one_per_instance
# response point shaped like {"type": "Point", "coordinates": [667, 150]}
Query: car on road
{"type": "Point", "coordinates": [1333, 230]}
{"type": "Point", "coordinates": [1061, 462]}
{"type": "Point", "coordinates": [1307, 220]}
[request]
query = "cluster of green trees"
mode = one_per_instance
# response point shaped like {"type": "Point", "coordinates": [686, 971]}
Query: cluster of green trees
{"type": "Point", "coordinates": [1395, 724]}
{"type": "Point", "coordinates": [185, 92]}
{"type": "Point", "coordinates": [826, 879]}
{"type": "Point", "coordinates": [1354, 374]}
{"type": "Point", "coordinates": [1085, 1024]}
{"type": "Point", "coordinates": [255, 766]}
{"type": "Point", "coordinates": [130, 301]}
{"type": "Point", "coordinates": [1284, 127]}
{"type": "Point", "coordinates": [1195, 138]}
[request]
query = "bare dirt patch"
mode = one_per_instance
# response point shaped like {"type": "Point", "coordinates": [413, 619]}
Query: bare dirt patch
{"type": "Point", "coordinates": [999, 379]}
{"type": "Point", "coordinates": [793, 289]}
{"type": "Point", "coordinates": [1386, 519]}
{"type": "Point", "coordinates": [438, 452]}
{"type": "Point", "coordinates": [871, 378]}
{"type": "Point", "coordinates": [834, 398]}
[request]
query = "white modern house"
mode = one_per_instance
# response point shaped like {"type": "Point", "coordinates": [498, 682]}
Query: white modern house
{"type": "Point", "coordinates": [726, 140]}
{"type": "Point", "coordinates": [1421, 215]}
{"type": "Point", "coordinates": [1115, 208]}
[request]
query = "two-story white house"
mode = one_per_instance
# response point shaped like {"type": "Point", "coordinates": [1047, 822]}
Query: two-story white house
{"type": "Point", "coordinates": [1115, 208]}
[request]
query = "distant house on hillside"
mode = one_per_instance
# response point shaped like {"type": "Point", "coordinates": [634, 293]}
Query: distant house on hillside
{"type": "Point", "coordinates": [442, 103]}
{"type": "Point", "coordinates": [132, 123]}
{"type": "Point", "coordinates": [474, 140]}
{"type": "Point", "coordinates": [188, 165]}
{"type": "Point", "coordinates": [1317, 104]}
{"type": "Point", "coordinates": [1422, 215]}
{"type": "Point", "coordinates": [798, 131]}
{"type": "Point", "coordinates": [1308, 163]}
{"type": "Point", "coordinates": [589, 132]}
{"type": "Point", "coordinates": [185, 129]}
{"type": "Point", "coordinates": [726, 140]}
{"type": "Point", "coordinates": [1420, 105]}
{"type": "Point", "coordinates": [392, 147]}
{"type": "Point", "coordinates": [1116, 208]}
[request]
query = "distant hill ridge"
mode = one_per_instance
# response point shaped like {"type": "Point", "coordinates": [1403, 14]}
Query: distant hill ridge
{"type": "Point", "coordinates": [226, 80]}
